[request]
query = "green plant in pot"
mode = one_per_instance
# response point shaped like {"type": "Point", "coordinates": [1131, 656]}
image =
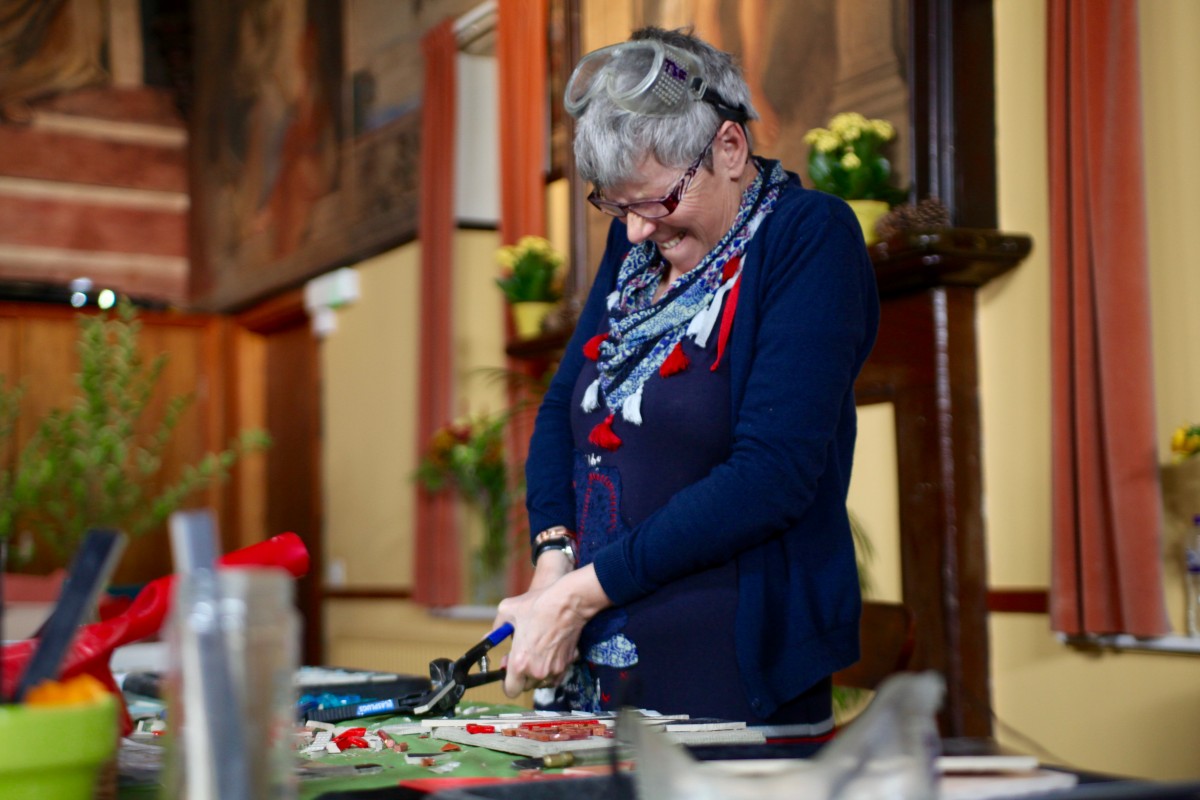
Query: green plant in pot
{"type": "Point", "coordinates": [531, 281]}
{"type": "Point", "coordinates": [847, 159]}
{"type": "Point", "coordinates": [94, 462]}
{"type": "Point", "coordinates": [468, 456]}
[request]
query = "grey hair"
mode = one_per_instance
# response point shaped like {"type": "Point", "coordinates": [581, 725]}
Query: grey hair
{"type": "Point", "coordinates": [611, 143]}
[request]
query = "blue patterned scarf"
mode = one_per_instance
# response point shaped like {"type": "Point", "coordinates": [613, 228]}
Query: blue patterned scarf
{"type": "Point", "coordinates": [642, 333]}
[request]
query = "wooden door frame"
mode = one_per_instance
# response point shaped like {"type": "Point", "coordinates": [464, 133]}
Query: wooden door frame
{"type": "Point", "coordinates": [284, 312]}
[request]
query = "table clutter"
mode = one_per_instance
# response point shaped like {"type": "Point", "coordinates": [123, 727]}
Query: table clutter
{"type": "Point", "coordinates": [233, 717]}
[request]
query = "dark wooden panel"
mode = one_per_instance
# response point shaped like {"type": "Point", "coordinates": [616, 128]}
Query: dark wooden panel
{"type": "Point", "coordinates": [39, 342]}
{"type": "Point", "coordinates": [74, 225]}
{"type": "Point", "coordinates": [925, 365]}
{"type": "Point", "coordinates": [293, 464]}
{"type": "Point", "coordinates": [144, 104]}
{"type": "Point", "coordinates": [365, 593]}
{"type": "Point", "coordinates": [1018, 601]}
{"type": "Point", "coordinates": [954, 124]}
{"type": "Point", "coordinates": [45, 155]}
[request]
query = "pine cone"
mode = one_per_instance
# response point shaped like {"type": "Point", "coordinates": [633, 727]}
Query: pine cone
{"type": "Point", "coordinates": [928, 213]}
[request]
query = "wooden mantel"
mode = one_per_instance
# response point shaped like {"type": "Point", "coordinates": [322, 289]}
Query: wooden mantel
{"type": "Point", "coordinates": [925, 364]}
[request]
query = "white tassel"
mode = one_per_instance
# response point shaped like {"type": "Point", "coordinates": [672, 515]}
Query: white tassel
{"type": "Point", "coordinates": [703, 323]}
{"type": "Point", "coordinates": [631, 409]}
{"type": "Point", "coordinates": [591, 397]}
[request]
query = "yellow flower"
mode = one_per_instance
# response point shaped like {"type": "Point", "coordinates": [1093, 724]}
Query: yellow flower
{"type": "Point", "coordinates": [507, 256]}
{"type": "Point", "coordinates": [847, 159]}
{"type": "Point", "coordinates": [848, 125]}
{"type": "Point", "coordinates": [826, 142]}
{"type": "Point", "coordinates": [883, 129]}
{"type": "Point", "coordinates": [1185, 441]}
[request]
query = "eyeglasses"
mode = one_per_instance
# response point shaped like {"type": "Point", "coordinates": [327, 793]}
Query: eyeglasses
{"type": "Point", "coordinates": [653, 209]}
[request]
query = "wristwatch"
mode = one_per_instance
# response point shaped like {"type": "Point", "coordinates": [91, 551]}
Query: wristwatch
{"type": "Point", "coordinates": [562, 543]}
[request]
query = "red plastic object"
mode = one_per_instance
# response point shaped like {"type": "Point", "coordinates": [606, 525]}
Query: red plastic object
{"type": "Point", "coordinates": [94, 644]}
{"type": "Point", "coordinates": [473, 727]}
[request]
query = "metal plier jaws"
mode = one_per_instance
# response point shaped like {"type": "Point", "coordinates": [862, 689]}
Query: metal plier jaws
{"type": "Point", "coordinates": [449, 679]}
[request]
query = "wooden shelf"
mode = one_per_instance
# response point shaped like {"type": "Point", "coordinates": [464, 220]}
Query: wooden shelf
{"type": "Point", "coordinates": [921, 259]}
{"type": "Point", "coordinates": [542, 347]}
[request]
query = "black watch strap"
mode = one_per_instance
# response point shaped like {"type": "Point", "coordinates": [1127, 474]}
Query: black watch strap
{"type": "Point", "coordinates": [555, 543]}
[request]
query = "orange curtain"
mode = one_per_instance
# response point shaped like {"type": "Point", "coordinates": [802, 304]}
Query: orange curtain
{"type": "Point", "coordinates": [437, 579]}
{"type": "Point", "coordinates": [521, 56]}
{"type": "Point", "coordinates": [1107, 518]}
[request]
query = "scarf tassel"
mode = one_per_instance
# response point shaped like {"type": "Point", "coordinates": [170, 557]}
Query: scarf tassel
{"type": "Point", "coordinates": [631, 409]}
{"type": "Point", "coordinates": [676, 361]}
{"type": "Point", "coordinates": [591, 348]}
{"type": "Point", "coordinates": [602, 435]}
{"type": "Point", "coordinates": [591, 397]}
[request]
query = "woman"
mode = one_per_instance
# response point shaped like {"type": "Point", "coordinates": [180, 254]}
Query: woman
{"type": "Point", "coordinates": [689, 464]}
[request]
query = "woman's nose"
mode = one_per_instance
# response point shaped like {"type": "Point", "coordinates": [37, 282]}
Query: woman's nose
{"type": "Point", "coordinates": [638, 229]}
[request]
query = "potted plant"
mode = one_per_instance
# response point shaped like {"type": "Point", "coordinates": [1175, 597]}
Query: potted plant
{"type": "Point", "coordinates": [531, 281]}
{"type": "Point", "coordinates": [467, 456]}
{"type": "Point", "coordinates": [1181, 480]}
{"type": "Point", "coordinates": [92, 463]}
{"type": "Point", "coordinates": [846, 159]}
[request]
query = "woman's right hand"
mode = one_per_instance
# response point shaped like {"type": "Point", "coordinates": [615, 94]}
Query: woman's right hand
{"type": "Point", "coordinates": [547, 622]}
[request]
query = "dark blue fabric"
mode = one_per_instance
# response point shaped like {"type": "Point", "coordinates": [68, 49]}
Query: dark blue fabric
{"type": "Point", "coordinates": [806, 320]}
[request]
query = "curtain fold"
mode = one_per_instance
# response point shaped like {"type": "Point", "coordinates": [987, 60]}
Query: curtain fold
{"type": "Point", "coordinates": [1107, 520]}
{"type": "Point", "coordinates": [437, 579]}
{"type": "Point", "coordinates": [521, 57]}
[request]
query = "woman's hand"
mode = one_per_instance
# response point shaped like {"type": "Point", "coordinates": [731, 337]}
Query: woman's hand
{"type": "Point", "coordinates": [548, 620]}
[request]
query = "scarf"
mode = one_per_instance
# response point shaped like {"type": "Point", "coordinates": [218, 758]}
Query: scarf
{"type": "Point", "coordinates": [644, 335]}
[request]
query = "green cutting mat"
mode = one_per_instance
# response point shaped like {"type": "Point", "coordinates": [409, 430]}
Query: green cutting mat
{"type": "Point", "coordinates": [474, 761]}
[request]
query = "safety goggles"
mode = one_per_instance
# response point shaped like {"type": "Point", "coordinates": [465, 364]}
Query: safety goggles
{"type": "Point", "coordinates": [645, 77]}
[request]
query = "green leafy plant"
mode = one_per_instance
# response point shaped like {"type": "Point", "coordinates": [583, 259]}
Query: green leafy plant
{"type": "Point", "coordinates": [468, 455]}
{"type": "Point", "coordinates": [93, 463]}
{"type": "Point", "coordinates": [529, 270]}
{"type": "Point", "coordinates": [846, 159]}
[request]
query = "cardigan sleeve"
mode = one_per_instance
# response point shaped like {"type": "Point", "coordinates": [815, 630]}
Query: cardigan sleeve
{"type": "Point", "coordinates": [549, 495]}
{"type": "Point", "coordinates": [795, 350]}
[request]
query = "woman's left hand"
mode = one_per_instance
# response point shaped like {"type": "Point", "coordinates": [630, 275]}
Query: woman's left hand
{"type": "Point", "coordinates": [547, 624]}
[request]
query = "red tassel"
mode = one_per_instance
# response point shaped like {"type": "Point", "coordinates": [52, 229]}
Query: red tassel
{"type": "Point", "coordinates": [591, 348]}
{"type": "Point", "coordinates": [677, 361]}
{"type": "Point", "coordinates": [730, 269]}
{"type": "Point", "coordinates": [726, 322]}
{"type": "Point", "coordinates": [602, 435]}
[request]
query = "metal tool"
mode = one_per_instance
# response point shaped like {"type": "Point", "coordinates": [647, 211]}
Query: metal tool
{"type": "Point", "coordinates": [89, 573]}
{"type": "Point", "coordinates": [448, 679]}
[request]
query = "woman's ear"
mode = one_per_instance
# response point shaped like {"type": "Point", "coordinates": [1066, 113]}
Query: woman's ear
{"type": "Point", "coordinates": [731, 151]}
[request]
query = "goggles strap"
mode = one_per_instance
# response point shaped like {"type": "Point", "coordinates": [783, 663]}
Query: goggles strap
{"type": "Point", "coordinates": [725, 111]}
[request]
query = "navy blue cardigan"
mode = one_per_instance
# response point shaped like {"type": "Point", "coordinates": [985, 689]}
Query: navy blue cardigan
{"type": "Point", "coordinates": [806, 320]}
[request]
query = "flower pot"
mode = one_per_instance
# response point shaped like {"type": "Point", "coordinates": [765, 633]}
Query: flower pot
{"type": "Point", "coordinates": [1181, 492]}
{"type": "Point", "coordinates": [868, 213]}
{"type": "Point", "coordinates": [528, 316]}
{"type": "Point", "coordinates": [56, 752]}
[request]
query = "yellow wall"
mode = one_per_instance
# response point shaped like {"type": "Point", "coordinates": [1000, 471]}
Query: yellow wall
{"type": "Point", "coordinates": [1119, 712]}
{"type": "Point", "coordinates": [369, 365]}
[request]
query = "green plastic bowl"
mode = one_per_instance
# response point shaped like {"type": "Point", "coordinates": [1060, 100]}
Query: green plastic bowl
{"type": "Point", "coordinates": [55, 752]}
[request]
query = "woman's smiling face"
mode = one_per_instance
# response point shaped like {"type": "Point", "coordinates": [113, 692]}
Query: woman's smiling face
{"type": "Point", "coordinates": [706, 209]}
